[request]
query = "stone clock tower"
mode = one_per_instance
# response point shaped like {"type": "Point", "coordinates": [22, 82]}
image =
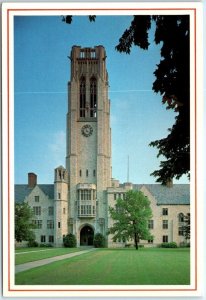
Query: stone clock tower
{"type": "Point", "coordinates": [88, 160]}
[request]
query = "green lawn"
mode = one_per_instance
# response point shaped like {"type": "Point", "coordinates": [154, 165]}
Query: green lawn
{"type": "Point", "coordinates": [31, 254]}
{"type": "Point", "coordinates": [154, 266]}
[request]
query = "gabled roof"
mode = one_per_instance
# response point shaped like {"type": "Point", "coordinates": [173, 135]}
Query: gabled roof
{"type": "Point", "coordinates": [177, 194]}
{"type": "Point", "coordinates": [22, 190]}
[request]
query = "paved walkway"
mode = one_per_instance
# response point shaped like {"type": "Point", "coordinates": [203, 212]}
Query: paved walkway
{"type": "Point", "coordinates": [42, 262]}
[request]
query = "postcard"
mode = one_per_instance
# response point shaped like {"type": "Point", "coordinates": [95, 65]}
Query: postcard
{"type": "Point", "coordinates": [102, 114]}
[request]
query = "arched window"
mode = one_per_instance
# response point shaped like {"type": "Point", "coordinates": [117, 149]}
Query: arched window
{"type": "Point", "coordinates": [93, 97]}
{"type": "Point", "coordinates": [181, 217]}
{"type": "Point", "coordinates": [82, 100]}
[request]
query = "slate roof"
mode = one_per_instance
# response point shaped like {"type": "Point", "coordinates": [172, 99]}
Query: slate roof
{"type": "Point", "coordinates": [177, 194]}
{"type": "Point", "coordinates": [22, 190]}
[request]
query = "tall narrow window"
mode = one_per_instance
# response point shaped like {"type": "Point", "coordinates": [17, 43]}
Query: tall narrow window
{"type": "Point", "coordinates": [51, 210]}
{"type": "Point", "coordinates": [181, 218]}
{"type": "Point", "coordinates": [165, 224]}
{"type": "Point", "coordinates": [43, 238]}
{"type": "Point", "coordinates": [50, 224]}
{"type": "Point", "coordinates": [80, 173]}
{"type": "Point", "coordinates": [36, 198]}
{"type": "Point", "coordinates": [93, 97]}
{"type": "Point", "coordinates": [150, 224]}
{"type": "Point", "coordinates": [37, 210]}
{"type": "Point", "coordinates": [87, 173]}
{"type": "Point", "coordinates": [82, 104]}
{"type": "Point", "coordinates": [51, 238]}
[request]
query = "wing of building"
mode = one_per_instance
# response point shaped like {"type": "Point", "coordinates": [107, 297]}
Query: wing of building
{"type": "Point", "coordinates": [78, 200]}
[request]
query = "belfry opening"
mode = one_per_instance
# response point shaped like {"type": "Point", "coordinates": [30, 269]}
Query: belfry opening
{"type": "Point", "coordinates": [86, 236]}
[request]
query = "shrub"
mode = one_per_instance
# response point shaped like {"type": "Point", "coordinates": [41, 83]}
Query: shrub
{"type": "Point", "coordinates": [184, 245]}
{"type": "Point", "coordinates": [99, 240]}
{"type": "Point", "coordinates": [45, 245]}
{"type": "Point", "coordinates": [32, 243]}
{"type": "Point", "coordinates": [169, 245]}
{"type": "Point", "coordinates": [70, 241]}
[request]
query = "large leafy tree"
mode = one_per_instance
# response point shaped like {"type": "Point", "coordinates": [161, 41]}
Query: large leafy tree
{"type": "Point", "coordinates": [130, 217]}
{"type": "Point", "coordinates": [23, 222]}
{"type": "Point", "coordinates": [172, 82]}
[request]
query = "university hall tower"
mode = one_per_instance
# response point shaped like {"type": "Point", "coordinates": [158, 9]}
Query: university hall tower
{"type": "Point", "coordinates": [88, 157]}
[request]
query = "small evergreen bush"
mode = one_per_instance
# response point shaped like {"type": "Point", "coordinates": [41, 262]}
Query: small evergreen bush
{"type": "Point", "coordinates": [70, 241]}
{"type": "Point", "coordinates": [99, 240]}
{"type": "Point", "coordinates": [169, 245]}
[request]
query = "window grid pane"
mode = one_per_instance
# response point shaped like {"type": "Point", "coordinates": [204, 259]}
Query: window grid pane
{"type": "Point", "coordinates": [165, 224]}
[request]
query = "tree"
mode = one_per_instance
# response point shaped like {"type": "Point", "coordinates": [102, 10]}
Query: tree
{"type": "Point", "coordinates": [131, 216]}
{"type": "Point", "coordinates": [172, 82]}
{"type": "Point", "coordinates": [23, 222]}
{"type": "Point", "coordinates": [186, 227]}
{"type": "Point", "coordinates": [70, 241]}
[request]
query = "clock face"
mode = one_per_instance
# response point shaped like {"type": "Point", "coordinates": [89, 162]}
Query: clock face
{"type": "Point", "coordinates": [87, 130]}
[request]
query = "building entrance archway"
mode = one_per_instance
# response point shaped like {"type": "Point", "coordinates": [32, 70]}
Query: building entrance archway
{"type": "Point", "coordinates": [86, 236]}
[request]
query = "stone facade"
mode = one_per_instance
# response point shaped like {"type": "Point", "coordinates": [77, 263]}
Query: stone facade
{"type": "Point", "coordinates": [78, 200]}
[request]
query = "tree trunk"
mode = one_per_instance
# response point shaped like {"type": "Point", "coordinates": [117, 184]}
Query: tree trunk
{"type": "Point", "coordinates": [136, 241]}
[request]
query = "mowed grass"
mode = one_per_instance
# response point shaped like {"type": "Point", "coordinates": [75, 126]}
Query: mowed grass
{"type": "Point", "coordinates": [31, 254]}
{"type": "Point", "coordinates": [115, 267]}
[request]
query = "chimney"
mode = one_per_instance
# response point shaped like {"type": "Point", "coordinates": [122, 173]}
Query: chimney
{"type": "Point", "coordinates": [32, 180]}
{"type": "Point", "coordinates": [169, 182]}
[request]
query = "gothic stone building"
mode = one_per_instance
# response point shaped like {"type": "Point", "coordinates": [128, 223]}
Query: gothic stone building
{"type": "Point", "coordinates": [78, 200]}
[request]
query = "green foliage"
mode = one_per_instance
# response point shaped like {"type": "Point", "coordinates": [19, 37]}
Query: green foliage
{"type": "Point", "coordinates": [186, 227]}
{"type": "Point", "coordinates": [70, 241]}
{"type": "Point", "coordinates": [184, 245]}
{"type": "Point", "coordinates": [99, 240]}
{"type": "Point", "coordinates": [44, 245]}
{"type": "Point", "coordinates": [23, 223]}
{"type": "Point", "coordinates": [131, 217]}
{"type": "Point", "coordinates": [172, 82]}
{"type": "Point", "coordinates": [168, 245]}
{"type": "Point", "coordinates": [32, 243]}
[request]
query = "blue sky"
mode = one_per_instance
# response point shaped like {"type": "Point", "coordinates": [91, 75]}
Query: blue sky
{"type": "Point", "coordinates": [42, 69]}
